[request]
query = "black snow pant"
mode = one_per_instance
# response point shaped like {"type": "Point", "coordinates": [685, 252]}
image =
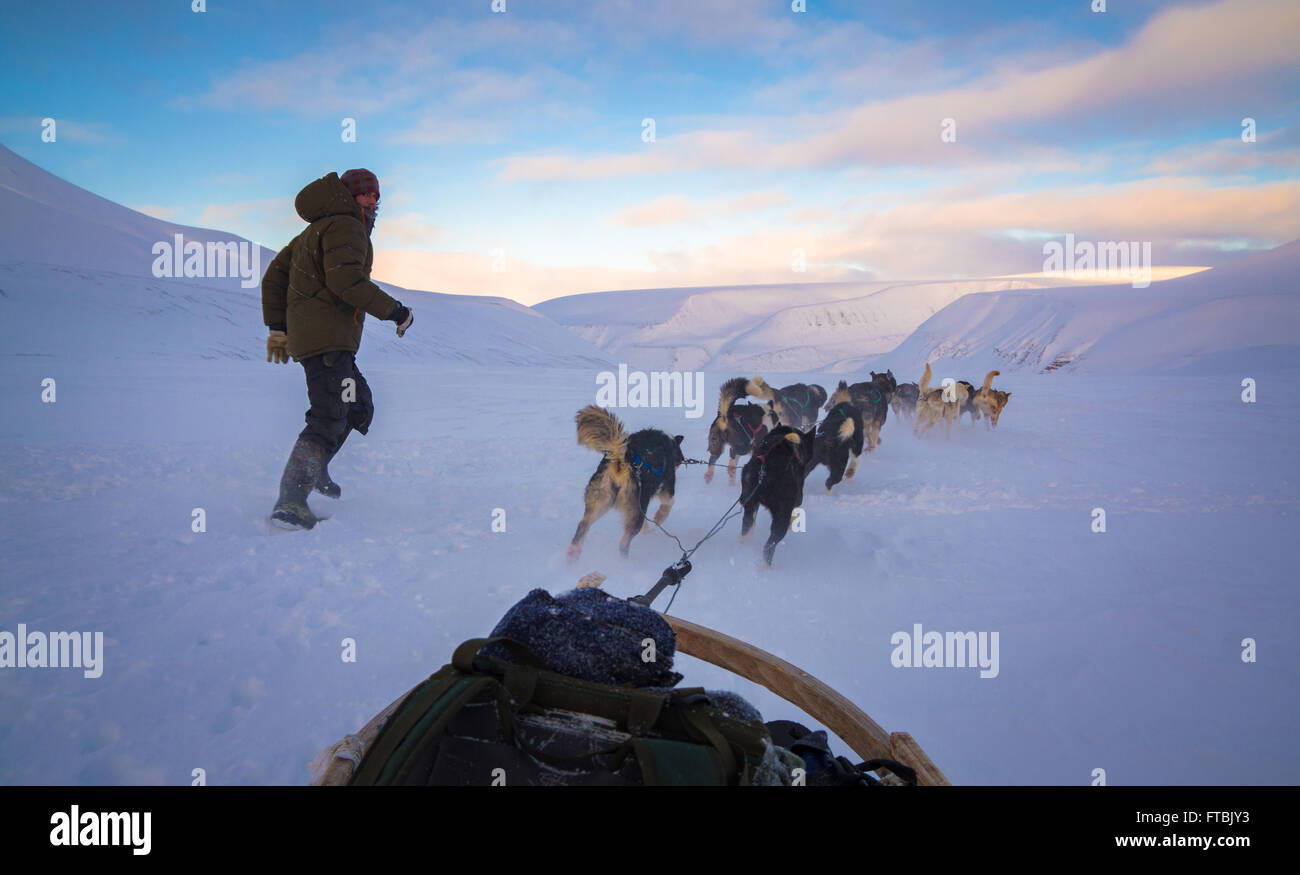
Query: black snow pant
{"type": "Point", "coordinates": [335, 407]}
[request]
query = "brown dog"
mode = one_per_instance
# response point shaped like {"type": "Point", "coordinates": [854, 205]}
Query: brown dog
{"type": "Point", "coordinates": [993, 407]}
{"type": "Point", "coordinates": [634, 469]}
{"type": "Point", "coordinates": [944, 403]}
{"type": "Point", "coordinates": [990, 401]}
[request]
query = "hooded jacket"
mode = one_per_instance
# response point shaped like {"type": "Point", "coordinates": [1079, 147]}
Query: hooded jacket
{"type": "Point", "coordinates": [318, 287]}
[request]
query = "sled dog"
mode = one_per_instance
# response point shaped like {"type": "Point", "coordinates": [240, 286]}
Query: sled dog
{"type": "Point", "coordinates": [738, 426]}
{"type": "Point", "coordinates": [936, 404]}
{"type": "Point", "coordinates": [796, 405]}
{"type": "Point", "coordinates": [840, 436]}
{"type": "Point", "coordinates": [873, 399]}
{"type": "Point", "coordinates": [773, 478]}
{"type": "Point", "coordinates": [634, 469]}
{"type": "Point", "coordinates": [904, 401]}
{"type": "Point", "coordinates": [990, 401]}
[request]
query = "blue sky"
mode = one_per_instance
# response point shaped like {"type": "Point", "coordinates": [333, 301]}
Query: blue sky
{"type": "Point", "coordinates": [519, 134]}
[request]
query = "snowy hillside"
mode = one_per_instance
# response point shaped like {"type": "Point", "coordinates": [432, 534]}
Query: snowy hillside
{"type": "Point", "coordinates": [76, 276]}
{"type": "Point", "coordinates": [788, 328]}
{"type": "Point", "coordinates": [1234, 316]}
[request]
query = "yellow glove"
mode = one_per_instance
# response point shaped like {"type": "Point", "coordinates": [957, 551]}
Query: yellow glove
{"type": "Point", "coordinates": [277, 347]}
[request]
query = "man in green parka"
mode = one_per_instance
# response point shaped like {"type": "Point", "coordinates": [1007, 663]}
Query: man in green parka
{"type": "Point", "coordinates": [315, 297]}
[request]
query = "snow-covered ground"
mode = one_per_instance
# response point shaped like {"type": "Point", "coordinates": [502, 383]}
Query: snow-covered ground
{"type": "Point", "coordinates": [1118, 650]}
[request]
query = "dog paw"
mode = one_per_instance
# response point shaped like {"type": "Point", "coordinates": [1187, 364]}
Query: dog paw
{"type": "Point", "coordinates": [574, 551]}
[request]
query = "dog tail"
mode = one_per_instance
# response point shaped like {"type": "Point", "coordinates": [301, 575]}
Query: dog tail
{"type": "Point", "coordinates": [846, 429]}
{"type": "Point", "coordinates": [759, 389]}
{"type": "Point", "coordinates": [925, 379]}
{"type": "Point", "coordinates": [988, 380]}
{"type": "Point", "coordinates": [770, 419]}
{"type": "Point", "coordinates": [732, 391]}
{"type": "Point", "coordinates": [600, 430]}
{"type": "Point", "coordinates": [841, 394]}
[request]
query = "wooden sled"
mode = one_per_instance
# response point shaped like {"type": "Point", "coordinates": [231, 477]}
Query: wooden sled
{"type": "Point", "coordinates": [336, 765]}
{"type": "Point", "coordinates": [864, 735]}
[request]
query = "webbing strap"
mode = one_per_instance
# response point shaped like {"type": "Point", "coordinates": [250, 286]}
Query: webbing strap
{"type": "Point", "coordinates": [701, 726]}
{"type": "Point", "coordinates": [463, 658]}
{"type": "Point", "coordinates": [905, 773]}
{"type": "Point", "coordinates": [521, 683]}
{"type": "Point", "coordinates": [399, 763]}
{"type": "Point", "coordinates": [666, 763]}
{"type": "Point", "coordinates": [641, 463]}
{"type": "Point", "coordinates": [639, 710]}
{"type": "Point", "coordinates": [430, 698]}
{"type": "Point", "coordinates": [740, 421]}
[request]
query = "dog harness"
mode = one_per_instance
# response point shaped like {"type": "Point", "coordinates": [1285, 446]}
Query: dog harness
{"type": "Point", "coordinates": [807, 397]}
{"type": "Point", "coordinates": [641, 463]}
{"type": "Point", "coordinates": [753, 433]}
{"type": "Point", "coordinates": [798, 454]}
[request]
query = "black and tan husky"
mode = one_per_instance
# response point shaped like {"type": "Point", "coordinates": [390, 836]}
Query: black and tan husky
{"type": "Point", "coordinates": [634, 469]}
{"type": "Point", "coordinates": [795, 405]}
{"type": "Point", "coordinates": [738, 426]}
{"type": "Point", "coordinates": [773, 478]}
{"type": "Point", "coordinates": [840, 437]}
{"type": "Point", "coordinates": [872, 398]}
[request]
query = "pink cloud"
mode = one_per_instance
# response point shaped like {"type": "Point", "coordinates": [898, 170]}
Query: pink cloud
{"type": "Point", "coordinates": [922, 240]}
{"type": "Point", "coordinates": [1182, 64]}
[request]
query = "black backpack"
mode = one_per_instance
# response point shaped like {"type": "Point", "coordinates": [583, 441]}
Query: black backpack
{"type": "Point", "coordinates": [486, 721]}
{"type": "Point", "coordinates": [823, 768]}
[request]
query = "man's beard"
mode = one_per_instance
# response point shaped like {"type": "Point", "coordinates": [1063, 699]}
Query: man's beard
{"type": "Point", "coordinates": [370, 213]}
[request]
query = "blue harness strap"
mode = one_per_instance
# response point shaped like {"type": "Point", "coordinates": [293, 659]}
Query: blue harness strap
{"type": "Point", "coordinates": [640, 463]}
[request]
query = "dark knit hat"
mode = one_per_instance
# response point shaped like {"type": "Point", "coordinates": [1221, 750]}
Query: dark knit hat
{"type": "Point", "coordinates": [591, 635]}
{"type": "Point", "coordinates": [361, 181]}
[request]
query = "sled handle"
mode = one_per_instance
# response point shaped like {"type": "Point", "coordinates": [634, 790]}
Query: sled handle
{"type": "Point", "coordinates": [865, 736]}
{"type": "Point", "coordinates": [672, 576]}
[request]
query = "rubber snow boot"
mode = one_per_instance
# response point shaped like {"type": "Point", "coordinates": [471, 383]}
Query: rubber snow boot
{"type": "Point", "coordinates": [324, 485]}
{"type": "Point", "coordinates": [300, 473]}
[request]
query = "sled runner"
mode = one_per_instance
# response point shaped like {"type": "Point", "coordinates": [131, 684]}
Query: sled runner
{"type": "Point", "coordinates": [339, 764]}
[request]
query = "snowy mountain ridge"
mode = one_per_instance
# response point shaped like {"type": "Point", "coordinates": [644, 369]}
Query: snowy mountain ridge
{"type": "Point", "coordinates": [1210, 320]}
{"type": "Point", "coordinates": [787, 328]}
{"type": "Point", "coordinates": [66, 251]}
